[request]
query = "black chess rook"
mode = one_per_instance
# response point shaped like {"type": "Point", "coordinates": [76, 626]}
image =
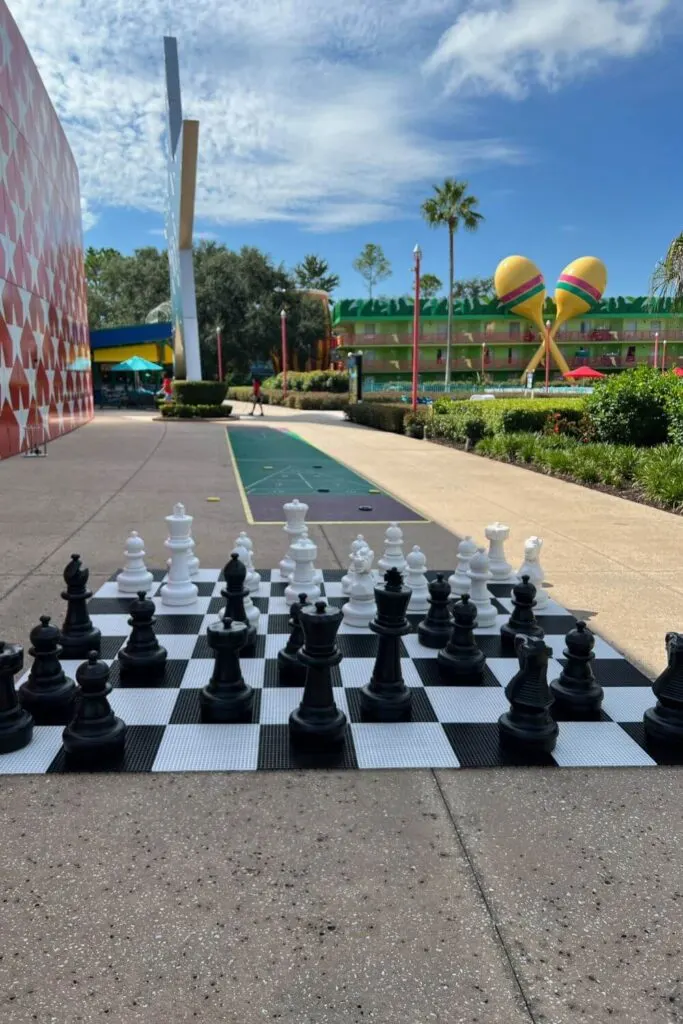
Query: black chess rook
{"type": "Point", "coordinates": [387, 698]}
{"type": "Point", "coordinates": [234, 593]}
{"type": "Point", "coordinates": [522, 621]}
{"type": "Point", "coordinates": [664, 722]}
{"type": "Point", "coordinates": [461, 663]}
{"type": "Point", "coordinates": [226, 698]}
{"type": "Point", "coordinates": [95, 738]}
{"type": "Point", "coordinates": [317, 722]}
{"type": "Point", "coordinates": [16, 724]}
{"type": "Point", "coordinates": [143, 659]}
{"type": "Point", "coordinates": [78, 635]}
{"type": "Point", "coordinates": [291, 670]}
{"type": "Point", "coordinates": [575, 692]}
{"type": "Point", "coordinates": [528, 726]}
{"type": "Point", "coordinates": [435, 630]}
{"type": "Point", "coordinates": [48, 694]}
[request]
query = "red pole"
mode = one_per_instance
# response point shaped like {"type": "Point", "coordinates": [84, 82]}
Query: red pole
{"type": "Point", "coordinates": [219, 352]}
{"type": "Point", "coordinates": [283, 328]}
{"type": "Point", "coordinates": [547, 356]}
{"type": "Point", "coordinates": [416, 326]}
{"type": "Point", "coordinates": [656, 348]}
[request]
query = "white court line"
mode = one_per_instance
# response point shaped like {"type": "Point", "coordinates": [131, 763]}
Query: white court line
{"type": "Point", "coordinates": [278, 472]}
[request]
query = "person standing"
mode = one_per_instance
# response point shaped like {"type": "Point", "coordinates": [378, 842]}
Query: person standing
{"type": "Point", "coordinates": [256, 397]}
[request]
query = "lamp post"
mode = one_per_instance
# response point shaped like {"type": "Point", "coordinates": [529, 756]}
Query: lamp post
{"type": "Point", "coordinates": [283, 360]}
{"type": "Point", "coordinates": [219, 351]}
{"type": "Point", "coordinates": [483, 361]}
{"type": "Point", "coordinates": [547, 356]}
{"type": "Point", "coordinates": [656, 348]}
{"type": "Point", "coordinates": [664, 355]}
{"type": "Point", "coordinates": [417, 255]}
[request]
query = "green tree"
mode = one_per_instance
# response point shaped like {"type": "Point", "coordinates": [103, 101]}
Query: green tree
{"type": "Point", "coordinates": [372, 265]}
{"type": "Point", "coordinates": [123, 289]}
{"type": "Point", "coordinates": [667, 278]}
{"type": "Point", "coordinates": [476, 289]}
{"type": "Point", "coordinates": [314, 272]}
{"type": "Point", "coordinates": [430, 285]}
{"type": "Point", "coordinates": [451, 207]}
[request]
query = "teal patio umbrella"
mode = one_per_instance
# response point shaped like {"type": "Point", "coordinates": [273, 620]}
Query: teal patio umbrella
{"type": "Point", "coordinates": [136, 364]}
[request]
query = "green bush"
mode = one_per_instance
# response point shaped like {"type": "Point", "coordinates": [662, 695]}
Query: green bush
{"type": "Point", "coordinates": [378, 415]}
{"type": "Point", "coordinates": [317, 400]}
{"type": "Point", "coordinates": [192, 412]}
{"type": "Point", "coordinates": [199, 392]}
{"type": "Point", "coordinates": [660, 475]}
{"type": "Point", "coordinates": [336, 381]}
{"type": "Point", "coordinates": [414, 423]}
{"type": "Point", "coordinates": [634, 407]}
{"type": "Point", "coordinates": [472, 421]}
{"type": "Point", "coordinates": [243, 394]}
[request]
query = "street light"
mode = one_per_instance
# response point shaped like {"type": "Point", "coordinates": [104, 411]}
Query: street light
{"type": "Point", "coordinates": [283, 330]}
{"type": "Point", "coordinates": [417, 256]}
{"type": "Point", "coordinates": [547, 356]}
{"type": "Point", "coordinates": [483, 361]}
{"type": "Point", "coordinates": [656, 348]}
{"type": "Point", "coordinates": [664, 355]}
{"type": "Point", "coordinates": [219, 351]}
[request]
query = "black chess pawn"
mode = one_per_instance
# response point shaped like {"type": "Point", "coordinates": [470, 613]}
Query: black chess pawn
{"type": "Point", "coordinates": [461, 663]}
{"type": "Point", "coordinates": [227, 698]}
{"type": "Point", "coordinates": [575, 691]}
{"type": "Point", "coordinates": [318, 722]}
{"type": "Point", "coordinates": [143, 659]}
{"type": "Point", "coordinates": [95, 738]}
{"type": "Point", "coordinates": [16, 724]}
{"type": "Point", "coordinates": [291, 671]}
{"type": "Point", "coordinates": [235, 573]}
{"type": "Point", "coordinates": [664, 722]}
{"type": "Point", "coordinates": [48, 694]}
{"type": "Point", "coordinates": [435, 630]}
{"type": "Point", "coordinates": [528, 725]}
{"type": "Point", "coordinates": [78, 635]}
{"type": "Point", "coordinates": [522, 620]}
{"type": "Point", "coordinates": [387, 698]}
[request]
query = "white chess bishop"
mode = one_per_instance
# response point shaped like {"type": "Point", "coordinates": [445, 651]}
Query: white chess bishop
{"type": "Point", "coordinates": [135, 575]}
{"type": "Point", "coordinates": [393, 557]}
{"type": "Point", "coordinates": [479, 593]}
{"type": "Point", "coordinates": [531, 567]}
{"type": "Point", "coordinates": [416, 578]}
{"type": "Point", "coordinates": [245, 546]}
{"type": "Point", "coordinates": [304, 552]}
{"type": "Point", "coordinates": [179, 589]}
{"type": "Point", "coordinates": [500, 568]}
{"type": "Point", "coordinates": [295, 524]}
{"type": "Point", "coordinates": [460, 580]}
{"type": "Point", "coordinates": [360, 609]}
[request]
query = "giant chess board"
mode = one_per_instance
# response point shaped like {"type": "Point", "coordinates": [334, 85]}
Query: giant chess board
{"type": "Point", "coordinates": [451, 727]}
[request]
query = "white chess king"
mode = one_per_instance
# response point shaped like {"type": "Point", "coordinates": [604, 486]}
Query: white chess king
{"type": "Point", "coordinates": [179, 588]}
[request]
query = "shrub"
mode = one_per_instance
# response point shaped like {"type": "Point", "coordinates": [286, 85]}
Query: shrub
{"type": "Point", "coordinates": [317, 400]}
{"type": "Point", "coordinates": [243, 394]}
{"type": "Point", "coordinates": [336, 381]}
{"type": "Point", "coordinates": [378, 415]}
{"type": "Point", "coordinates": [199, 392]}
{"type": "Point", "coordinates": [190, 412]}
{"type": "Point", "coordinates": [634, 407]}
{"type": "Point", "coordinates": [415, 422]}
{"type": "Point", "coordinates": [659, 474]}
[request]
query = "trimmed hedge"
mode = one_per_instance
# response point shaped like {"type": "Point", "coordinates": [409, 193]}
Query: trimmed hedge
{"type": "Point", "coordinates": [336, 381]}
{"type": "Point", "coordinates": [469, 422]}
{"type": "Point", "coordinates": [199, 392]}
{"type": "Point", "coordinates": [316, 400]}
{"type": "Point", "coordinates": [243, 394]}
{"type": "Point", "coordinates": [641, 407]}
{"type": "Point", "coordinates": [195, 412]}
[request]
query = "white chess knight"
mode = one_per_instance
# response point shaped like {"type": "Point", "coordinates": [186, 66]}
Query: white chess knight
{"type": "Point", "coordinates": [479, 593]}
{"type": "Point", "coordinates": [531, 567]}
{"type": "Point", "coordinates": [415, 578]}
{"type": "Point", "coordinates": [360, 609]}
{"type": "Point", "coordinates": [393, 557]}
{"type": "Point", "coordinates": [500, 568]}
{"type": "Point", "coordinates": [179, 589]}
{"type": "Point", "coordinates": [357, 545]}
{"type": "Point", "coordinates": [135, 575]}
{"type": "Point", "coordinates": [244, 545]}
{"type": "Point", "coordinates": [304, 552]}
{"type": "Point", "coordinates": [295, 524]}
{"type": "Point", "coordinates": [460, 581]}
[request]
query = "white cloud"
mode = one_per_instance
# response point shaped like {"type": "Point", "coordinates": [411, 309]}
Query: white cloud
{"type": "Point", "coordinates": [88, 217]}
{"type": "Point", "coordinates": [507, 47]}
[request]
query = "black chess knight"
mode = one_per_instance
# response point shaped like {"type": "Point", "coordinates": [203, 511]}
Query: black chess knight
{"type": "Point", "coordinates": [387, 698]}
{"type": "Point", "coordinates": [664, 722]}
{"type": "Point", "coordinates": [528, 725]}
{"type": "Point", "coordinates": [235, 592]}
{"type": "Point", "coordinates": [95, 737]}
{"type": "Point", "coordinates": [461, 663]}
{"type": "Point", "coordinates": [435, 630]}
{"type": "Point", "coordinates": [227, 698]}
{"type": "Point", "coordinates": [143, 659]}
{"type": "Point", "coordinates": [576, 692]}
{"type": "Point", "coordinates": [78, 635]}
{"type": "Point", "coordinates": [291, 670]}
{"type": "Point", "coordinates": [48, 694]}
{"type": "Point", "coordinates": [318, 722]}
{"type": "Point", "coordinates": [16, 724]}
{"type": "Point", "coordinates": [522, 620]}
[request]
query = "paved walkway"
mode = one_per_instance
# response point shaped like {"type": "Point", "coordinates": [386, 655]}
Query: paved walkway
{"type": "Point", "coordinates": [334, 898]}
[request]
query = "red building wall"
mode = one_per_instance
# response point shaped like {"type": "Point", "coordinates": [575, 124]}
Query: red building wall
{"type": "Point", "coordinates": [45, 378]}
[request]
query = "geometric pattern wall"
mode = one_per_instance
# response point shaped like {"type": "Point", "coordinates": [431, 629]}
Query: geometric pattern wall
{"type": "Point", "coordinates": [45, 375]}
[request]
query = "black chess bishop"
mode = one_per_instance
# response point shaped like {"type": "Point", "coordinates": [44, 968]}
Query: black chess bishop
{"type": "Point", "coordinates": [528, 725]}
{"type": "Point", "coordinates": [291, 670]}
{"type": "Point", "coordinates": [317, 722]}
{"type": "Point", "coordinates": [95, 737]}
{"type": "Point", "coordinates": [235, 592]}
{"type": "Point", "coordinates": [78, 635]}
{"type": "Point", "coordinates": [461, 663]}
{"type": "Point", "coordinates": [227, 698]}
{"type": "Point", "coordinates": [435, 630]}
{"type": "Point", "coordinates": [142, 659]}
{"type": "Point", "coordinates": [576, 692]}
{"type": "Point", "coordinates": [16, 724]}
{"type": "Point", "coordinates": [522, 620]}
{"type": "Point", "coordinates": [664, 722]}
{"type": "Point", "coordinates": [387, 698]}
{"type": "Point", "coordinates": [48, 694]}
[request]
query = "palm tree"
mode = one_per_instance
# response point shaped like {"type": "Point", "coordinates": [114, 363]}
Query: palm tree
{"type": "Point", "coordinates": [667, 278]}
{"type": "Point", "coordinates": [451, 206]}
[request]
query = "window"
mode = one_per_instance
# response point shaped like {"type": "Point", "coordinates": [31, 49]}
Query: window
{"type": "Point", "coordinates": [370, 329]}
{"type": "Point", "coordinates": [631, 326]}
{"type": "Point", "coordinates": [631, 354]}
{"type": "Point", "coordinates": [439, 355]}
{"type": "Point", "coordinates": [509, 356]}
{"type": "Point", "coordinates": [514, 330]}
{"type": "Point", "coordinates": [655, 326]}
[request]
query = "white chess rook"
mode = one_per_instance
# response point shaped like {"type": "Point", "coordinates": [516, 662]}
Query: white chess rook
{"type": "Point", "coordinates": [360, 609]}
{"type": "Point", "coordinates": [460, 581]}
{"type": "Point", "coordinates": [499, 567]}
{"type": "Point", "coordinates": [303, 577]}
{"type": "Point", "coordinates": [415, 578]}
{"type": "Point", "coordinates": [479, 593]}
{"type": "Point", "coordinates": [246, 545]}
{"type": "Point", "coordinates": [295, 524]}
{"type": "Point", "coordinates": [135, 575]}
{"type": "Point", "coordinates": [393, 557]}
{"type": "Point", "coordinates": [531, 567]}
{"type": "Point", "coordinates": [179, 590]}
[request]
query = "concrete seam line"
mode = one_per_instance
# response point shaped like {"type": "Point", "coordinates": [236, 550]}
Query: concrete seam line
{"type": "Point", "coordinates": [487, 903]}
{"type": "Point", "coordinates": [331, 547]}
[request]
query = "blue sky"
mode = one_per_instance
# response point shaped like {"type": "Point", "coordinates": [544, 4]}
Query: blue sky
{"type": "Point", "coordinates": [324, 124]}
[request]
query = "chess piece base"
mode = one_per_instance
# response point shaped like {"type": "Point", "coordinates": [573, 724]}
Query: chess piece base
{"type": "Point", "coordinates": [536, 733]}
{"type": "Point", "coordinates": [54, 706]}
{"type": "Point", "coordinates": [386, 705]}
{"type": "Point", "coordinates": [100, 745]}
{"type": "Point", "coordinates": [137, 671]}
{"type": "Point", "coordinates": [178, 594]}
{"type": "Point", "coordinates": [433, 638]}
{"type": "Point", "coordinates": [234, 705]}
{"type": "Point", "coordinates": [317, 727]}
{"type": "Point", "coordinates": [75, 647]}
{"type": "Point", "coordinates": [508, 634]}
{"type": "Point", "coordinates": [131, 583]}
{"type": "Point", "coordinates": [291, 672]}
{"type": "Point", "coordinates": [16, 730]}
{"type": "Point", "coordinates": [664, 726]}
{"type": "Point", "coordinates": [575, 702]}
{"type": "Point", "coordinates": [461, 670]}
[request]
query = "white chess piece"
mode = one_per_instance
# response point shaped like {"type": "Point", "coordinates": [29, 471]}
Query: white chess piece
{"type": "Point", "coordinates": [135, 575]}
{"type": "Point", "coordinates": [303, 577]}
{"type": "Point", "coordinates": [179, 589]}
{"type": "Point", "coordinates": [460, 581]}
{"type": "Point", "coordinates": [479, 594]}
{"type": "Point", "coordinates": [192, 560]}
{"type": "Point", "coordinates": [393, 557]}
{"type": "Point", "coordinates": [317, 573]}
{"type": "Point", "coordinates": [531, 567]}
{"type": "Point", "coordinates": [500, 568]}
{"type": "Point", "coordinates": [416, 579]}
{"type": "Point", "coordinates": [357, 545]}
{"type": "Point", "coordinates": [360, 609]}
{"type": "Point", "coordinates": [295, 516]}
{"type": "Point", "coordinates": [246, 545]}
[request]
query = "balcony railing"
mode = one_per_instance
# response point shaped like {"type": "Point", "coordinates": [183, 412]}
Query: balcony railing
{"type": "Point", "coordinates": [517, 364]}
{"type": "Point", "coordinates": [598, 336]}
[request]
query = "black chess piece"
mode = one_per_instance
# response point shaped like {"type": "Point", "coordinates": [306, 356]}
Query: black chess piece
{"type": "Point", "coordinates": [575, 691]}
{"type": "Point", "coordinates": [461, 663]}
{"type": "Point", "coordinates": [235, 573]}
{"type": "Point", "coordinates": [435, 630]}
{"type": "Point", "coordinates": [227, 698]}
{"type": "Point", "coordinates": [95, 737]}
{"type": "Point", "coordinates": [318, 722]}
{"type": "Point", "coordinates": [387, 698]}
{"type": "Point", "coordinates": [528, 725]}
{"type": "Point", "coordinates": [522, 620]}
{"type": "Point", "coordinates": [48, 694]}
{"type": "Point", "coordinates": [291, 671]}
{"type": "Point", "coordinates": [664, 722]}
{"type": "Point", "coordinates": [16, 724]}
{"type": "Point", "coordinates": [78, 635]}
{"type": "Point", "coordinates": [143, 659]}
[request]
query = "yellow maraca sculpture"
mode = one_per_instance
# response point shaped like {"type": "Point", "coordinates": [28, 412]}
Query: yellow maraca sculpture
{"type": "Point", "coordinates": [580, 287]}
{"type": "Point", "coordinates": [520, 288]}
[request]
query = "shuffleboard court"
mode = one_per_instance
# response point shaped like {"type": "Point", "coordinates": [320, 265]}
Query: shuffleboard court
{"type": "Point", "coordinates": [273, 465]}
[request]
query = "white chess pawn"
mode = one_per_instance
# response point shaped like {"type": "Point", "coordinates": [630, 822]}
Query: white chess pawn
{"type": "Point", "coordinates": [479, 594]}
{"type": "Point", "coordinates": [500, 568]}
{"type": "Point", "coordinates": [357, 545]}
{"type": "Point", "coordinates": [253, 580]}
{"type": "Point", "coordinates": [135, 574]}
{"type": "Point", "coordinates": [303, 577]}
{"type": "Point", "coordinates": [531, 567]}
{"type": "Point", "coordinates": [295, 515]}
{"type": "Point", "coordinates": [416, 579]}
{"type": "Point", "coordinates": [460, 581]}
{"type": "Point", "coordinates": [179, 589]}
{"type": "Point", "coordinates": [360, 609]}
{"type": "Point", "coordinates": [393, 557]}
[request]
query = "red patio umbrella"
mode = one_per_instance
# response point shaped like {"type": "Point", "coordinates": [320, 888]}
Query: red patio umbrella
{"type": "Point", "coordinates": [584, 372]}
{"type": "Point", "coordinates": [678, 370]}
